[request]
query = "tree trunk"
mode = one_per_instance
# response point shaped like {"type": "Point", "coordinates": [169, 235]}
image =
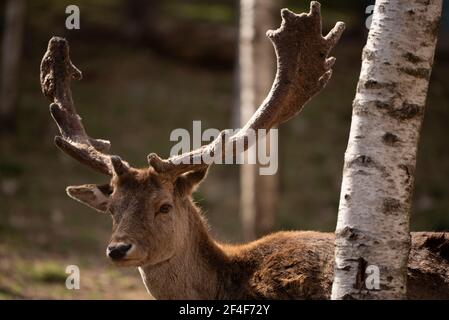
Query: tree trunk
{"type": "Point", "coordinates": [259, 194]}
{"type": "Point", "coordinates": [11, 54]}
{"type": "Point", "coordinates": [378, 174]}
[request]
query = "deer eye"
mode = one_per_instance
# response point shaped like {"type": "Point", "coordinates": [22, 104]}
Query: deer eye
{"type": "Point", "coordinates": [165, 208]}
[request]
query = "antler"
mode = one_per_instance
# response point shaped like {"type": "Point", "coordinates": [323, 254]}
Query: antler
{"type": "Point", "coordinates": [303, 70]}
{"type": "Point", "coordinates": [57, 71]}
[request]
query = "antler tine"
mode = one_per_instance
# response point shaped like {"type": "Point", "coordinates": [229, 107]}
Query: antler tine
{"type": "Point", "coordinates": [57, 72]}
{"type": "Point", "coordinates": [303, 70]}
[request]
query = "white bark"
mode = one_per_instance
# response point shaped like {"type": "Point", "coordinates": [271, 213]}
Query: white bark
{"type": "Point", "coordinates": [11, 53]}
{"type": "Point", "coordinates": [257, 67]}
{"type": "Point", "coordinates": [378, 174]}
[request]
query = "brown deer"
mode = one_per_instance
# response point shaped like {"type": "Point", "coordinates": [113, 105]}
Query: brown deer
{"type": "Point", "coordinates": [158, 228]}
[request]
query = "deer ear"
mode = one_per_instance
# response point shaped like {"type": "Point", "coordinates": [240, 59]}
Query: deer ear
{"type": "Point", "coordinates": [92, 195]}
{"type": "Point", "coordinates": [188, 182]}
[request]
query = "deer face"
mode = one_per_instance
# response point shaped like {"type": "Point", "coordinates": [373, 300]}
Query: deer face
{"type": "Point", "coordinates": [149, 212]}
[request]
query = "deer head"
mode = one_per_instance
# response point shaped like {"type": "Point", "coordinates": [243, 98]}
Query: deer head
{"type": "Point", "coordinates": [149, 211]}
{"type": "Point", "coordinates": [150, 207]}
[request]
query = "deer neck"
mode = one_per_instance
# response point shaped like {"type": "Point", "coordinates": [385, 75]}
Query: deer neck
{"type": "Point", "coordinates": [194, 271]}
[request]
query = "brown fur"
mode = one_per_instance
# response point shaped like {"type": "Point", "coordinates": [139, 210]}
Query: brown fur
{"type": "Point", "coordinates": [178, 259]}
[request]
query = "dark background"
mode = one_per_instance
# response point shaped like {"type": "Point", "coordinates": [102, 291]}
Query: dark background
{"type": "Point", "coordinates": [150, 67]}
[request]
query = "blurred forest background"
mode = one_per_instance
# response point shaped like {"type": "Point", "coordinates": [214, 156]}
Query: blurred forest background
{"type": "Point", "coordinates": [150, 67]}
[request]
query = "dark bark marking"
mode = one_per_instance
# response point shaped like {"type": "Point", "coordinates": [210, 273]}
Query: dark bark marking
{"type": "Point", "coordinates": [368, 54]}
{"type": "Point", "coordinates": [361, 274]}
{"type": "Point", "coordinates": [391, 205]}
{"type": "Point", "coordinates": [409, 171]}
{"type": "Point", "coordinates": [363, 161]}
{"type": "Point", "coordinates": [348, 233]}
{"type": "Point", "coordinates": [406, 111]}
{"type": "Point", "coordinates": [412, 57]}
{"type": "Point", "coordinates": [383, 105]}
{"type": "Point", "coordinates": [390, 139]}
{"type": "Point", "coordinates": [357, 107]}
{"type": "Point", "coordinates": [424, 2]}
{"type": "Point", "coordinates": [362, 173]}
{"type": "Point", "coordinates": [433, 28]}
{"type": "Point", "coordinates": [345, 268]}
{"type": "Point", "coordinates": [422, 73]}
{"type": "Point", "coordinates": [373, 84]}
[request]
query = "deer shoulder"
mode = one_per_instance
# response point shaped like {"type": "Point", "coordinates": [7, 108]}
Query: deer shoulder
{"type": "Point", "coordinates": [286, 265]}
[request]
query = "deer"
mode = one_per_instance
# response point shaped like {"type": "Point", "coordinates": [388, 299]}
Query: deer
{"type": "Point", "coordinates": [157, 227]}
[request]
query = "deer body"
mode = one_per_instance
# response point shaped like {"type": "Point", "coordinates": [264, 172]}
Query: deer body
{"type": "Point", "coordinates": [283, 265]}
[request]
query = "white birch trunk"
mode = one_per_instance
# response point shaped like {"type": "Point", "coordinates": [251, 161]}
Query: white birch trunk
{"type": "Point", "coordinates": [257, 67]}
{"type": "Point", "coordinates": [378, 174]}
{"type": "Point", "coordinates": [11, 53]}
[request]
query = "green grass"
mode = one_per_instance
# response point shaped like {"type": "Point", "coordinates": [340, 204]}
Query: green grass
{"type": "Point", "coordinates": [48, 272]}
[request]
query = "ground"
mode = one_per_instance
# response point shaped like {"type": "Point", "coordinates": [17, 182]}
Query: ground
{"type": "Point", "coordinates": [42, 276]}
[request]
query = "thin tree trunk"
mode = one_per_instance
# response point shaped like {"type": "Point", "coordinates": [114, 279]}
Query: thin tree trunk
{"type": "Point", "coordinates": [378, 174]}
{"type": "Point", "coordinates": [11, 54]}
{"type": "Point", "coordinates": [258, 197]}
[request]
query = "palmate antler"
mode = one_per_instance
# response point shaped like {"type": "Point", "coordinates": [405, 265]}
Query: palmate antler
{"type": "Point", "coordinates": [303, 70]}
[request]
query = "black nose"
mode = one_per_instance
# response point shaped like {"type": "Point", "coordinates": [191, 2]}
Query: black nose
{"type": "Point", "coordinates": [117, 252]}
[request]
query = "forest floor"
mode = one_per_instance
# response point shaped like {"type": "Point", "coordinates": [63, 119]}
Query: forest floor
{"type": "Point", "coordinates": [41, 275]}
